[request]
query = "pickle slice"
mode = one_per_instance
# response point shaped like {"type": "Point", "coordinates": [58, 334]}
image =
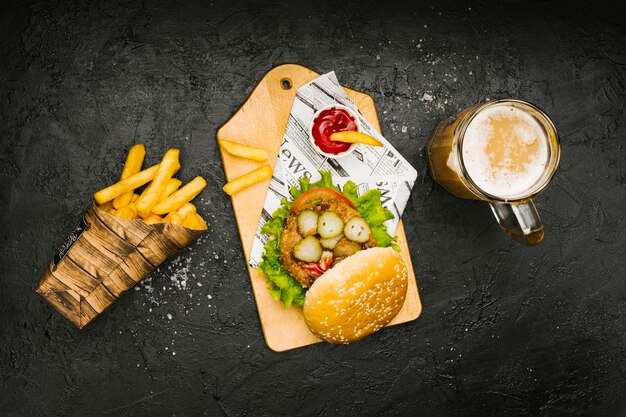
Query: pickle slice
{"type": "Point", "coordinates": [330, 243]}
{"type": "Point", "coordinates": [308, 249]}
{"type": "Point", "coordinates": [357, 230]}
{"type": "Point", "coordinates": [345, 248]}
{"type": "Point", "coordinates": [307, 222]}
{"type": "Point", "coordinates": [329, 225]}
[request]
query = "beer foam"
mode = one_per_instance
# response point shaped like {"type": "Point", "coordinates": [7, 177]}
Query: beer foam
{"type": "Point", "coordinates": [505, 151]}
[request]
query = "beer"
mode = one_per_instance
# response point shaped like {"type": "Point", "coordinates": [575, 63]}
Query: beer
{"type": "Point", "coordinates": [504, 151]}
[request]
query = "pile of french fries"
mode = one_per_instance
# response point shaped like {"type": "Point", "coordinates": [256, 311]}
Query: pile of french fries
{"type": "Point", "coordinates": [248, 152]}
{"type": "Point", "coordinates": [161, 200]}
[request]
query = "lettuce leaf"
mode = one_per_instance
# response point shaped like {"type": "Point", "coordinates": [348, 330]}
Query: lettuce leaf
{"type": "Point", "coordinates": [281, 285]}
{"type": "Point", "coordinates": [375, 215]}
{"type": "Point", "coordinates": [306, 185]}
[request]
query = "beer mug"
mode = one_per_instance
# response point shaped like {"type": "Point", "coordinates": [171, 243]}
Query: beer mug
{"type": "Point", "coordinates": [504, 152]}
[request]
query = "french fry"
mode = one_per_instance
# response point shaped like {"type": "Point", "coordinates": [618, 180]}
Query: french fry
{"type": "Point", "coordinates": [243, 151]}
{"type": "Point", "coordinates": [106, 206]}
{"type": "Point", "coordinates": [248, 179]}
{"type": "Point", "coordinates": [194, 221]}
{"type": "Point", "coordinates": [351, 136]}
{"type": "Point", "coordinates": [124, 186]}
{"type": "Point", "coordinates": [173, 217]}
{"type": "Point", "coordinates": [168, 167]}
{"type": "Point", "coordinates": [186, 210]}
{"type": "Point", "coordinates": [178, 198]}
{"type": "Point", "coordinates": [170, 188]}
{"type": "Point", "coordinates": [133, 164]}
{"type": "Point", "coordinates": [126, 213]}
{"type": "Point", "coordinates": [155, 218]}
{"type": "Point", "coordinates": [133, 207]}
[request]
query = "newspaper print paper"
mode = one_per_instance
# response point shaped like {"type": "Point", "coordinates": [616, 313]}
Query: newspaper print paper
{"type": "Point", "coordinates": [367, 166]}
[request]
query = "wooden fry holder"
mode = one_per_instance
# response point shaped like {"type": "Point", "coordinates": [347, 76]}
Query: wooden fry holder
{"type": "Point", "coordinates": [105, 257]}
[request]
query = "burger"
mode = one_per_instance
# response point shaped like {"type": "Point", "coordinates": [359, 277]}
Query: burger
{"type": "Point", "coordinates": [329, 252]}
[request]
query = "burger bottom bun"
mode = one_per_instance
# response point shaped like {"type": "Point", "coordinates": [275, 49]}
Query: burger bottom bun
{"type": "Point", "coordinates": [357, 297]}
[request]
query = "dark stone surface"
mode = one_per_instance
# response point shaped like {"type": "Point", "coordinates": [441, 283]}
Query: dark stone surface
{"type": "Point", "coordinates": [506, 330]}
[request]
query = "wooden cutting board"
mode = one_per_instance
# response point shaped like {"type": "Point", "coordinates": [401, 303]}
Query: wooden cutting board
{"type": "Point", "coordinates": [261, 122]}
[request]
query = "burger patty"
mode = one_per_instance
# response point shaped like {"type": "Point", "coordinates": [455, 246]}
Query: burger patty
{"type": "Point", "coordinates": [291, 236]}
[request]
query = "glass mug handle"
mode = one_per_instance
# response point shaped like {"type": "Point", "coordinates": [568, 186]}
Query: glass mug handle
{"type": "Point", "coordinates": [520, 221]}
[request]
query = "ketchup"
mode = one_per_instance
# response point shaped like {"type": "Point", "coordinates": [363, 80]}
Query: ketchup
{"type": "Point", "coordinates": [320, 266]}
{"type": "Point", "coordinates": [328, 122]}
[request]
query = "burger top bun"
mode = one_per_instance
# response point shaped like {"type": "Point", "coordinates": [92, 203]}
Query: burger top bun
{"type": "Point", "coordinates": [357, 297]}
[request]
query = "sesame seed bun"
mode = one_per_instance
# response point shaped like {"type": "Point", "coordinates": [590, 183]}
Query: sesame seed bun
{"type": "Point", "coordinates": [357, 297]}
